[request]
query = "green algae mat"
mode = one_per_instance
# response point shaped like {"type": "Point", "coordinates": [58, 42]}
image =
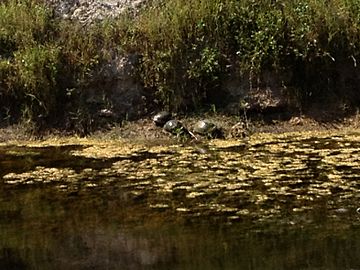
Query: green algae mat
{"type": "Point", "coordinates": [291, 186]}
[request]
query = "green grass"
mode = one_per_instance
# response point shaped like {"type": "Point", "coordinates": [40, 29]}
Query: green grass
{"type": "Point", "coordinates": [188, 49]}
{"type": "Point", "coordinates": [195, 42]}
{"type": "Point", "coordinates": [46, 63]}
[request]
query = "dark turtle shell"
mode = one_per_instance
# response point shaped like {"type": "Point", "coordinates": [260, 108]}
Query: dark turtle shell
{"type": "Point", "coordinates": [208, 129]}
{"type": "Point", "coordinates": [176, 128]}
{"type": "Point", "coordinates": [204, 127]}
{"type": "Point", "coordinates": [173, 126]}
{"type": "Point", "coordinates": [161, 118]}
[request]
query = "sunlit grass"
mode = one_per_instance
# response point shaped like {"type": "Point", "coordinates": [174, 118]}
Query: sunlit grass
{"type": "Point", "coordinates": [187, 48]}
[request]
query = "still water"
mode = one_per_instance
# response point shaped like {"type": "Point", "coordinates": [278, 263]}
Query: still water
{"type": "Point", "coordinates": [286, 201]}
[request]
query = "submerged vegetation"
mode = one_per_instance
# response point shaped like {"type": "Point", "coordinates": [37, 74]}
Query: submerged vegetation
{"type": "Point", "coordinates": [272, 177]}
{"type": "Point", "coordinates": [264, 204]}
{"type": "Point", "coordinates": [187, 50]}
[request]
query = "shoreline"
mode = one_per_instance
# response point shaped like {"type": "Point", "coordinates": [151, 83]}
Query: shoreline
{"type": "Point", "coordinates": [145, 130]}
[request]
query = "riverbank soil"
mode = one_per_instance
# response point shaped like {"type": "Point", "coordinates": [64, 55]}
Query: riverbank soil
{"type": "Point", "coordinates": [232, 127]}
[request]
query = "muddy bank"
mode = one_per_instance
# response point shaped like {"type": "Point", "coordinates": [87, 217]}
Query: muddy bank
{"type": "Point", "coordinates": [144, 129]}
{"type": "Point", "coordinates": [232, 127]}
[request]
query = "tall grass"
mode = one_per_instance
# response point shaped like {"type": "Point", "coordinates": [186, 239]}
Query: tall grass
{"type": "Point", "coordinates": [187, 48]}
{"type": "Point", "coordinates": [45, 63]}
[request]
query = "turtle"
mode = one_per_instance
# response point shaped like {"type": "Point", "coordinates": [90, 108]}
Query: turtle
{"type": "Point", "coordinates": [161, 118]}
{"type": "Point", "coordinates": [207, 128]}
{"type": "Point", "coordinates": [175, 127]}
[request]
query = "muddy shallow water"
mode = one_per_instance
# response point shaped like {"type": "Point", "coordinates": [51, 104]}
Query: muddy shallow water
{"type": "Point", "coordinates": [286, 201]}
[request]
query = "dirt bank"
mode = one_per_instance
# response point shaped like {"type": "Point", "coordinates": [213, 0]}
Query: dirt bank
{"type": "Point", "coordinates": [232, 127]}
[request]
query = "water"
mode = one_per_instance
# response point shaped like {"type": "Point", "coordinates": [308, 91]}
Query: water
{"type": "Point", "coordinates": [274, 202]}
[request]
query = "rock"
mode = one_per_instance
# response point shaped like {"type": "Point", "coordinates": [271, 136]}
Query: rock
{"type": "Point", "coordinates": [296, 121]}
{"type": "Point", "coordinates": [341, 211]}
{"type": "Point", "coordinates": [116, 87]}
{"type": "Point", "coordinates": [207, 128]}
{"type": "Point", "coordinates": [115, 83]}
{"type": "Point", "coordinates": [90, 11]}
{"type": "Point", "coordinates": [267, 92]}
{"type": "Point", "coordinates": [106, 113]}
{"type": "Point", "coordinates": [161, 118]}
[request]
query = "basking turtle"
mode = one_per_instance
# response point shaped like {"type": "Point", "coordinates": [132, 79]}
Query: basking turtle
{"type": "Point", "coordinates": [207, 128]}
{"type": "Point", "coordinates": [161, 118]}
{"type": "Point", "coordinates": [175, 127]}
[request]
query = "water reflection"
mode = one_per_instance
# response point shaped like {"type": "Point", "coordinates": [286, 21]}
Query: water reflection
{"type": "Point", "coordinates": [276, 202]}
{"type": "Point", "coordinates": [103, 230]}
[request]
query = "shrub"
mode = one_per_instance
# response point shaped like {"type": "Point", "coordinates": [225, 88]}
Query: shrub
{"type": "Point", "coordinates": [42, 58]}
{"type": "Point", "coordinates": [187, 49]}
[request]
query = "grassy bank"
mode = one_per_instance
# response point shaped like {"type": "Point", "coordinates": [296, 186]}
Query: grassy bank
{"type": "Point", "coordinates": [200, 43]}
{"type": "Point", "coordinates": [188, 49]}
{"type": "Point", "coordinates": [46, 63]}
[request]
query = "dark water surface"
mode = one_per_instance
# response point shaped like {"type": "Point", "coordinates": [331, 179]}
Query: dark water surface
{"type": "Point", "coordinates": [274, 202]}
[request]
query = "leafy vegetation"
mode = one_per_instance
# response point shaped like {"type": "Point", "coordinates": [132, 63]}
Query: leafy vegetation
{"type": "Point", "coordinates": [187, 49]}
{"type": "Point", "coordinates": [199, 43]}
{"type": "Point", "coordinates": [45, 63]}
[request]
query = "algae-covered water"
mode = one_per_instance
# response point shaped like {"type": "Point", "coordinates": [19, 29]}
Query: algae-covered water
{"type": "Point", "coordinates": [288, 201]}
